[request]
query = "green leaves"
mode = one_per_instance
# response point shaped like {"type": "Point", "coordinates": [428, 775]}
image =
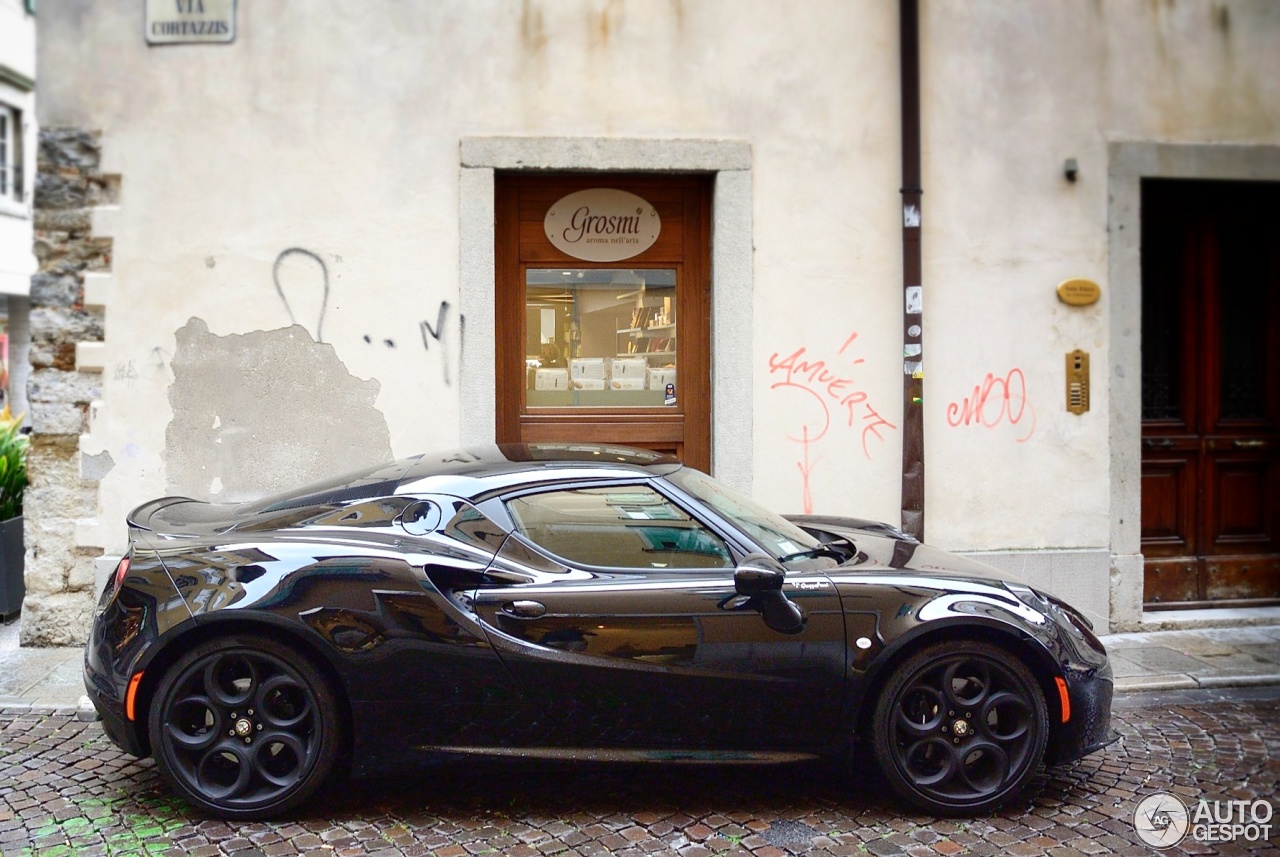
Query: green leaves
{"type": "Point", "coordinates": [13, 465]}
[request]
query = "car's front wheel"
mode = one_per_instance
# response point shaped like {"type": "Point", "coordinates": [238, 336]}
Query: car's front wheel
{"type": "Point", "coordinates": [960, 728]}
{"type": "Point", "coordinates": [244, 727]}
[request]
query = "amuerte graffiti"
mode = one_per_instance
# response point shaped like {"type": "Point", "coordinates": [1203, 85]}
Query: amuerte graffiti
{"type": "Point", "coordinates": [827, 394]}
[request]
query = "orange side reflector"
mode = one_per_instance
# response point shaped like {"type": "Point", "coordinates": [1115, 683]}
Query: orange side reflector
{"type": "Point", "coordinates": [1062, 695]}
{"type": "Point", "coordinates": [132, 694]}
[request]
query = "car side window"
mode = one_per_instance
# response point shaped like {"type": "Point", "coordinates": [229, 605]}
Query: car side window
{"type": "Point", "coordinates": [627, 526]}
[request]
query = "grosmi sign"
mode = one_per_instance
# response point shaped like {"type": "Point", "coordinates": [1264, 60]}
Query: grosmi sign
{"type": "Point", "coordinates": [602, 224]}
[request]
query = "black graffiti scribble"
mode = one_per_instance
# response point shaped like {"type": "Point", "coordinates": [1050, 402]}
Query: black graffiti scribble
{"type": "Point", "coordinates": [437, 333]}
{"type": "Point", "coordinates": [324, 271]}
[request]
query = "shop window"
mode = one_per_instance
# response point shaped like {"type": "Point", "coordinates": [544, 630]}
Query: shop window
{"type": "Point", "coordinates": [600, 337]}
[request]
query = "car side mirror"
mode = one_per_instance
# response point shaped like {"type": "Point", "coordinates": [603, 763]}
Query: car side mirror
{"type": "Point", "coordinates": [758, 574]}
{"type": "Point", "coordinates": [760, 578]}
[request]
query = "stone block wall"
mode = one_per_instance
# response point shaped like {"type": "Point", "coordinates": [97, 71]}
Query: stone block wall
{"type": "Point", "coordinates": [59, 500]}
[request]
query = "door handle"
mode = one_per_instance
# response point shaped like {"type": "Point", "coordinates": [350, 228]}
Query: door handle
{"type": "Point", "coordinates": [524, 609]}
{"type": "Point", "coordinates": [1163, 443]}
{"type": "Point", "coordinates": [1248, 444]}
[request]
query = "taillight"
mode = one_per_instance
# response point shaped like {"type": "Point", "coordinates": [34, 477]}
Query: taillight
{"type": "Point", "coordinates": [117, 579]}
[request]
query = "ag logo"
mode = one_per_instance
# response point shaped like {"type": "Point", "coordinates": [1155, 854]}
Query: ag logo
{"type": "Point", "coordinates": [1161, 820]}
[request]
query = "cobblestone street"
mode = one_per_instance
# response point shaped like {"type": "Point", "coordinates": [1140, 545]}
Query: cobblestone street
{"type": "Point", "coordinates": [64, 789]}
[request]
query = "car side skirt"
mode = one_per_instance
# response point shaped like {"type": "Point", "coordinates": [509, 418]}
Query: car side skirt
{"type": "Point", "coordinates": [617, 754]}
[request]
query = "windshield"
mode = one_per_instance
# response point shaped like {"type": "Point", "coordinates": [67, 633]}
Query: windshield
{"type": "Point", "coordinates": [780, 538]}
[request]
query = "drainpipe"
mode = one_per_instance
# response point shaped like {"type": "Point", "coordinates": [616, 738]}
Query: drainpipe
{"type": "Point", "coordinates": [912, 281]}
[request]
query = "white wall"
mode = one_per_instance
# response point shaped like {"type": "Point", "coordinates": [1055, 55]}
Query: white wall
{"type": "Point", "coordinates": [1011, 91]}
{"type": "Point", "coordinates": [335, 128]}
{"type": "Point", "coordinates": [339, 133]}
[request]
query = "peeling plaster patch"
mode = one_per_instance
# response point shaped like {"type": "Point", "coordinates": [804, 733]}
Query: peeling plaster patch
{"type": "Point", "coordinates": [94, 468]}
{"type": "Point", "coordinates": [261, 412]}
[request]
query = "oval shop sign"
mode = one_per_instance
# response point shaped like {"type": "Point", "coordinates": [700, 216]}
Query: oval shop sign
{"type": "Point", "coordinates": [602, 225]}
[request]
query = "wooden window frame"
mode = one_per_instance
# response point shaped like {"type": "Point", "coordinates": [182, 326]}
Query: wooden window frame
{"type": "Point", "coordinates": [687, 426]}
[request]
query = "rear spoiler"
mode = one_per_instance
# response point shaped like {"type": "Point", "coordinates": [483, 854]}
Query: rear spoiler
{"type": "Point", "coordinates": [139, 519]}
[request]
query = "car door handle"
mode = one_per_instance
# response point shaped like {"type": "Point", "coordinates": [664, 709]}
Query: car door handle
{"type": "Point", "coordinates": [524, 609]}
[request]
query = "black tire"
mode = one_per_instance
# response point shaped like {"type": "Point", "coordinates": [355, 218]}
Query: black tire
{"type": "Point", "coordinates": [960, 728]}
{"type": "Point", "coordinates": [244, 727]}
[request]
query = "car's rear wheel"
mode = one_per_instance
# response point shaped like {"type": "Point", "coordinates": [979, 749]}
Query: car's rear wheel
{"type": "Point", "coordinates": [960, 728]}
{"type": "Point", "coordinates": [244, 727]}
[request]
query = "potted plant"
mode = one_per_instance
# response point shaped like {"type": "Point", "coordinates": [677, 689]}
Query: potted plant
{"type": "Point", "coordinates": [13, 482]}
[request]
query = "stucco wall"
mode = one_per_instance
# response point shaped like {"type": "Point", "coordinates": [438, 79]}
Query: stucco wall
{"type": "Point", "coordinates": [231, 155]}
{"type": "Point", "coordinates": [335, 129]}
{"type": "Point", "coordinates": [1016, 90]}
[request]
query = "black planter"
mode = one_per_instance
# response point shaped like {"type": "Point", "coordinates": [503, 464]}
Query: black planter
{"type": "Point", "coordinates": [12, 562]}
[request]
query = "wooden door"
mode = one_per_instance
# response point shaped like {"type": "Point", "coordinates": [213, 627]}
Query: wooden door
{"type": "Point", "coordinates": [1210, 393]}
{"type": "Point", "coordinates": [632, 338]}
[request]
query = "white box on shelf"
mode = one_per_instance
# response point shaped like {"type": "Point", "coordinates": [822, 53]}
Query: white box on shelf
{"type": "Point", "coordinates": [552, 379]}
{"type": "Point", "coordinates": [629, 367]}
{"type": "Point", "coordinates": [660, 378]}
{"type": "Point", "coordinates": [587, 367]}
{"type": "Point", "coordinates": [627, 383]}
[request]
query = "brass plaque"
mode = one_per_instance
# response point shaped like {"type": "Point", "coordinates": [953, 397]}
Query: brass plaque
{"type": "Point", "coordinates": [1079, 292]}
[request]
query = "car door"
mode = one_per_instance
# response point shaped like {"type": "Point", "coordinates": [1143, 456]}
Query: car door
{"type": "Point", "coordinates": [616, 609]}
{"type": "Point", "coordinates": [423, 676]}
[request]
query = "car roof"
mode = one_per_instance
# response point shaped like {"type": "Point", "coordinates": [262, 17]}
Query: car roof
{"type": "Point", "coordinates": [477, 472]}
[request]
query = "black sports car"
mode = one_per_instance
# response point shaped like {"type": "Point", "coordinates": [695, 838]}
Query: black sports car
{"type": "Point", "coordinates": [572, 602]}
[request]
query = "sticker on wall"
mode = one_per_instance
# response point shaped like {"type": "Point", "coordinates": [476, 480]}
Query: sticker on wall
{"type": "Point", "coordinates": [915, 300]}
{"type": "Point", "coordinates": [910, 216]}
{"type": "Point", "coordinates": [602, 224]}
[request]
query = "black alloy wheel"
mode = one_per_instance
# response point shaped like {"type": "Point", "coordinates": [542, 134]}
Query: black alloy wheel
{"type": "Point", "coordinates": [244, 727]}
{"type": "Point", "coordinates": [960, 728]}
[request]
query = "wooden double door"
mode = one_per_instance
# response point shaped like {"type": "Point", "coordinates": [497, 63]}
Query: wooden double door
{"type": "Point", "coordinates": [1210, 393]}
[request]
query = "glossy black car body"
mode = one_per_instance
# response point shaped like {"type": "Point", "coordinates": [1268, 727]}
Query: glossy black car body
{"type": "Point", "coordinates": [428, 608]}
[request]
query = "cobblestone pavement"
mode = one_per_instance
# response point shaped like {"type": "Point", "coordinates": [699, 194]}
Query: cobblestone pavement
{"type": "Point", "coordinates": [64, 789]}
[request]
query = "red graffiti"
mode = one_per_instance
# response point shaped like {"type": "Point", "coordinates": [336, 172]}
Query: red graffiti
{"type": "Point", "coordinates": [874, 421]}
{"type": "Point", "coordinates": [996, 401]}
{"type": "Point", "coordinates": [805, 469]}
{"type": "Point", "coordinates": [832, 388]}
{"type": "Point", "coordinates": [815, 378]}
